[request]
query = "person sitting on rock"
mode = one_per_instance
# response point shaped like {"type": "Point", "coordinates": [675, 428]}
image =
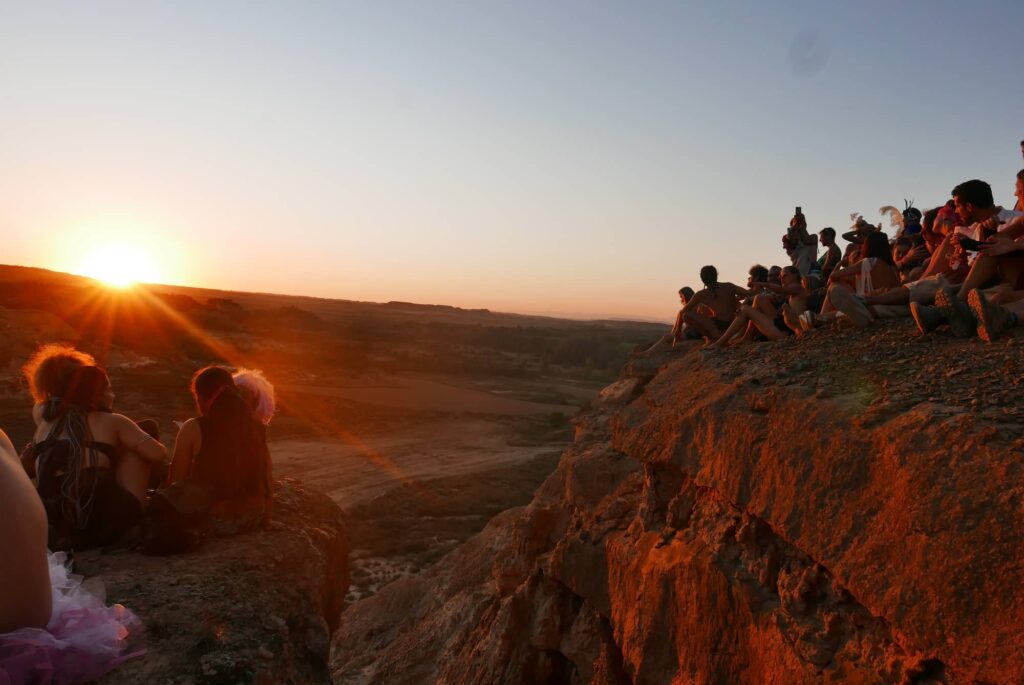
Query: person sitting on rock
{"type": "Point", "coordinates": [52, 629]}
{"type": "Point", "coordinates": [995, 320]}
{"type": "Point", "coordinates": [874, 273]}
{"type": "Point", "coordinates": [776, 325]}
{"type": "Point", "coordinates": [1000, 261]}
{"type": "Point", "coordinates": [829, 260]}
{"type": "Point", "coordinates": [680, 331]}
{"type": "Point", "coordinates": [720, 299]}
{"type": "Point", "coordinates": [25, 600]}
{"type": "Point", "coordinates": [91, 466]}
{"type": "Point", "coordinates": [224, 451]}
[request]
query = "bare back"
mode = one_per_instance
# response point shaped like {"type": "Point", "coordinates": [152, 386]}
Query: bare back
{"type": "Point", "coordinates": [723, 300]}
{"type": "Point", "coordinates": [25, 600]}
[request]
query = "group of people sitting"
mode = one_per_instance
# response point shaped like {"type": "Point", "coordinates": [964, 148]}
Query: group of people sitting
{"type": "Point", "coordinates": [91, 477]}
{"type": "Point", "coordinates": [961, 265]}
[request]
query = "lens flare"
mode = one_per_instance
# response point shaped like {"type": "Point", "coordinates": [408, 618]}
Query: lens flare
{"type": "Point", "coordinates": [119, 265]}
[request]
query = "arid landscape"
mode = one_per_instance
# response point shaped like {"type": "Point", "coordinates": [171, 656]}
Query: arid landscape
{"type": "Point", "coordinates": [420, 421]}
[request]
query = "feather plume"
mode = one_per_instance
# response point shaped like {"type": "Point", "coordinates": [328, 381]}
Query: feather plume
{"type": "Point", "coordinates": [895, 215]}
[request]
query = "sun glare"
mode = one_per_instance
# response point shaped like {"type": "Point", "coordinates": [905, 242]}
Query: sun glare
{"type": "Point", "coordinates": [119, 265]}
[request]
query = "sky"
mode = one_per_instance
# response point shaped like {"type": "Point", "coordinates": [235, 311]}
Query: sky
{"type": "Point", "coordinates": [571, 158]}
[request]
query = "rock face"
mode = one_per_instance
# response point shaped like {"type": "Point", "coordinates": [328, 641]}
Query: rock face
{"type": "Point", "coordinates": [255, 608]}
{"type": "Point", "coordinates": [794, 513]}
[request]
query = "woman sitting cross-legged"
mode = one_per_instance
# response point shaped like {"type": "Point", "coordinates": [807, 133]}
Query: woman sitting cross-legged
{"type": "Point", "coordinates": [762, 317]}
{"type": "Point", "coordinates": [224, 451]}
{"type": "Point", "coordinates": [91, 465]}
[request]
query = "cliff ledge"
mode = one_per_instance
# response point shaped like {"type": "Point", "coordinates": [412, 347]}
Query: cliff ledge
{"type": "Point", "coordinates": [255, 608]}
{"type": "Point", "coordinates": [843, 509]}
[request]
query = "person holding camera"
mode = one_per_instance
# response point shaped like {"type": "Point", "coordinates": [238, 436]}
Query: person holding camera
{"type": "Point", "coordinates": [801, 246]}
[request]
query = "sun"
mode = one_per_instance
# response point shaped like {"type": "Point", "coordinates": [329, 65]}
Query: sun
{"type": "Point", "coordinates": [119, 265]}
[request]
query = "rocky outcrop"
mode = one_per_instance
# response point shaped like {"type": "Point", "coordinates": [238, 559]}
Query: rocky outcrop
{"type": "Point", "coordinates": [255, 608]}
{"type": "Point", "coordinates": [842, 509]}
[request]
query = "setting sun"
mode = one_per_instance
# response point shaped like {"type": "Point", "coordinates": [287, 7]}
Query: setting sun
{"type": "Point", "coordinates": [119, 265]}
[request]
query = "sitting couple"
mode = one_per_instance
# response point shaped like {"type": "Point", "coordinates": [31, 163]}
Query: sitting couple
{"type": "Point", "coordinates": [92, 467]}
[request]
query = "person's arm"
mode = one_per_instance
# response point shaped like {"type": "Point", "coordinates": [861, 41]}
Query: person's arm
{"type": "Point", "coordinates": [846, 272]}
{"type": "Point", "coordinates": [793, 289]}
{"type": "Point", "coordinates": [694, 302]}
{"type": "Point", "coordinates": [134, 439]}
{"type": "Point", "coordinates": [1013, 228]}
{"type": "Point", "coordinates": [268, 506]}
{"type": "Point", "coordinates": [940, 259]}
{"type": "Point", "coordinates": [1001, 244]}
{"type": "Point", "coordinates": [186, 446]}
{"type": "Point", "coordinates": [7, 447]}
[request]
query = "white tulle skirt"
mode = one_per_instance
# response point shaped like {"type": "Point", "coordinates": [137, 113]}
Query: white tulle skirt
{"type": "Point", "coordinates": [84, 639]}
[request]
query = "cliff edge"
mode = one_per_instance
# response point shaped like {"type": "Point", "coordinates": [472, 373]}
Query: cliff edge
{"type": "Point", "coordinates": [254, 608]}
{"type": "Point", "coordinates": [842, 509]}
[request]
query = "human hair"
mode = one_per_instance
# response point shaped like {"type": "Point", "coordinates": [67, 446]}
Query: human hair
{"type": "Point", "coordinates": [258, 392]}
{"type": "Point", "coordinates": [758, 273]}
{"type": "Point", "coordinates": [709, 276]}
{"type": "Point", "coordinates": [206, 386]}
{"type": "Point", "coordinates": [233, 458]}
{"type": "Point", "coordinates": [829, 231]}
{"type": "Point", "coordinates": [50, 368]}
{"type": "Point", "coordinates": [790, 270]}
{"type": "Point", "coordinates": [686, 291]}
{"type": "Point", "coordinates": [1020, 175]}
{"type": "Point", "coordinates": [86, 390]}
{"type": "Point", "coordinates": [876, 245]}
{"type": "Point", "coordinates": [975, 192]}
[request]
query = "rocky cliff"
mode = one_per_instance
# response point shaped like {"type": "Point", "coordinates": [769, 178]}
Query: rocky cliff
{"type": "Point", "coordinates": [844, 508]}
{"type": "Point", "coordinates": [255, 608]}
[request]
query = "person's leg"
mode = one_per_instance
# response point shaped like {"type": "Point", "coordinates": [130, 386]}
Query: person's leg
{"type": "Point", "coordinates": [792, 318]}
{"type": "Point", "coordinates": [983, 269]}
{"type": "Point", "coordinates": [900, 295]}
{"type": "Point", "coordinates": [847, 302]}
{"type": "Point", "coordinates": [890, 311]}
{"type": "Point", "coordinates": [764, 304]}
{"type": "Point", "coordinates": [994, 320]}
{"type": "Point", "coordinates": [765, 324]}
{"type": "Point", "coordinates": [703, 325]}
{"type": "Point", "coordinates": [738, 324]}
{"type": "Point", "coordinates": [132, 473]}
{"type": "Point", "coordinates": [677, 327]}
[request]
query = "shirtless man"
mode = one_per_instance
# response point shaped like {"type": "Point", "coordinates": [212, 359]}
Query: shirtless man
{"type": "Point", "coordinates": [25, 600]}
{"type": "Point", "coordinates": [721, 299]}
{"type": "Point", "coordinates": [772, 325]}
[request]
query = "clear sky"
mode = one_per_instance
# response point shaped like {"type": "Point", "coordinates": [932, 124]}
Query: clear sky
{"type": "Point", "coordinates": [582, 158]}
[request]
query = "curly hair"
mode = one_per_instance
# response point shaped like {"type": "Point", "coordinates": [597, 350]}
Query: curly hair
{"type": "Point", "coordinates": [51, 368]}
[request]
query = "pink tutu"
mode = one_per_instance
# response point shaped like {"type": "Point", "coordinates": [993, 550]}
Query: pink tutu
{"type": "Point", "coordinates": [84, 639]}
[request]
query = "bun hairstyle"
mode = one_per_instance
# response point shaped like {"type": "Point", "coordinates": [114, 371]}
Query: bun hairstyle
{"type": "Point", "coordinates": [255, 389]}
{"type": "Point", "coordinates": [49, 371]}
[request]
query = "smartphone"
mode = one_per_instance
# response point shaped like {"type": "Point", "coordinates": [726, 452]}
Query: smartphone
{"type": "Point", "coordinates": [971, 245]}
